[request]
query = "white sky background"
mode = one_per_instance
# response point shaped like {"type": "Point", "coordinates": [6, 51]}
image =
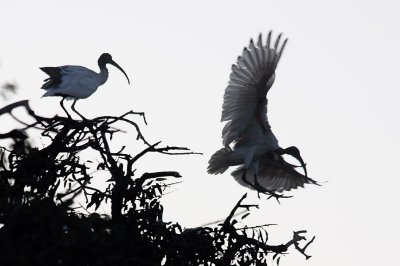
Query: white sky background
{"type": "Point", "coordinates": [335, 97]}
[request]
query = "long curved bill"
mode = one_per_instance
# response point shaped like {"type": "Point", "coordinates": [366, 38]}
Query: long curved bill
{"type": "Point", "coordinates": [120, 68]}
{"type": "Point", "coordinates": [303, 165]}
{"type": "Point", "coordinates": [294, 152]}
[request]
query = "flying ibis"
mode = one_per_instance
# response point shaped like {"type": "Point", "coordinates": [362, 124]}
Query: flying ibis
{"type": "Point", "coordinates": [77, 82]}
{"type": "Point", "coordinates": [255, 147]}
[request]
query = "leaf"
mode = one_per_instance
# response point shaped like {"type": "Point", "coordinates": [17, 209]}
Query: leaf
{"type": "Point", "coordinates": [245, 215]}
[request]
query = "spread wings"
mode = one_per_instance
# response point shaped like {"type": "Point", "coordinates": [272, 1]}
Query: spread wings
{"type": "Point", "coordinates": [245, 97]}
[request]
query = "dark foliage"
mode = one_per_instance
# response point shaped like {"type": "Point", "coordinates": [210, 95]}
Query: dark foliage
{"type": "Point", "coordinates": [41, 225]}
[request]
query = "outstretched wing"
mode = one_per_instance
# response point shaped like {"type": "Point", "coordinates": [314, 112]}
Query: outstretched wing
{"type": "Point", "coordinates": [245, 97]}
{"type": "Point", "coordinates": [274, 174]}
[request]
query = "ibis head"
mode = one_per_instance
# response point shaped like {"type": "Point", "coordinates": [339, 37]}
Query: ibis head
{"type": "Point", "coordinates": [107, 59]}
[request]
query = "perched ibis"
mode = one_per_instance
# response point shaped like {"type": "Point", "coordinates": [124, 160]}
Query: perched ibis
{"type": "Point", "coordinates": [255, 147]}
{"type": "Point", "coordinates": [77, 82]}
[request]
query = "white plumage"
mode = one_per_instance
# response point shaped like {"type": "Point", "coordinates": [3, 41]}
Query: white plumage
{"type": "Point", "coordinates": [244, 110]}
{"type": "Point", "coordinates": [77, 82]}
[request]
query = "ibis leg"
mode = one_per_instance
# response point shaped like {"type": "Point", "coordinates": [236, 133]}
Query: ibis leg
{"type": "Point", "coordinates": [258, 187]}
{"type": "Point", "coordinates": [250, 184]}
{"type": "Point", "coordinates": [62, 105]}
{"type": "Point", "coordinates": [261, 189]}
{"type": "Point", "coordinates": [245, 179]}
{"type": "Point", "coordinates": [73, 108]}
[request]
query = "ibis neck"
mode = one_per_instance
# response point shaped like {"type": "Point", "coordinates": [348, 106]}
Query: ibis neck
{"type": "Point", "coordinates": [103, 75]}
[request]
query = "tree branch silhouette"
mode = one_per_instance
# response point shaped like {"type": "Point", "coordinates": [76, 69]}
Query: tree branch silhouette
{"type": "Point", "coordinates": [39, 189]}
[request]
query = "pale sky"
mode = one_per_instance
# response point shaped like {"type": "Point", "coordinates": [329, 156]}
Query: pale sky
{"type": "Point", "coordinates": [335, 97]}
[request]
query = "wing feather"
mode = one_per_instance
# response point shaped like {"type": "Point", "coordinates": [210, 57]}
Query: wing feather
{"type": "Point", "coordinates": [274, 175]}
{"type": "Point", "coordinates": [250, 79]}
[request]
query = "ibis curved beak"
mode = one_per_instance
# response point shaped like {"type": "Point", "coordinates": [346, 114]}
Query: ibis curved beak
{"type": "Point", "coordinates": [120, 68]}
{"type": "Point", "coordinates": [294, 151]}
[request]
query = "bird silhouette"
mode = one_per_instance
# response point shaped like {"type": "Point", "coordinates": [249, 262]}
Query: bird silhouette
{"type": "Point", "coordinates": [255, 147]}
{"type": "Point", "coordinates": [77, 82]}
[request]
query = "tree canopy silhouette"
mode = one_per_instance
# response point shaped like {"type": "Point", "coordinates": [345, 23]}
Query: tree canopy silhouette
{"type": "Point", "coordinates": [41, 223]}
